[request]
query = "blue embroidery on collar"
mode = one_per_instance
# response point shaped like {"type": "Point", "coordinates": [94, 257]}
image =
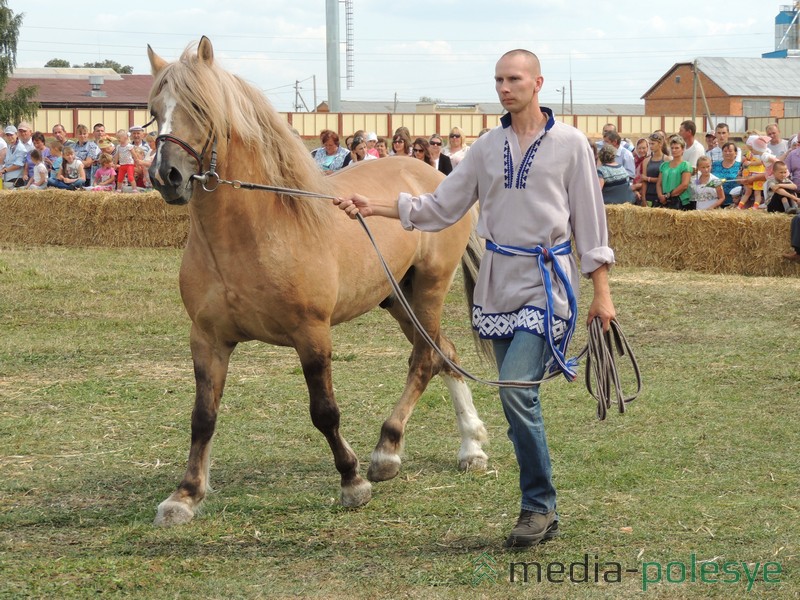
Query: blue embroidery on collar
{"type": "Point", "coordinates": [527, 160]}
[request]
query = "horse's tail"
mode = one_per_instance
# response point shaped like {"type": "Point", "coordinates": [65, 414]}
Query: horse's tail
{"type": "Point", "coordinates": [470, 263]}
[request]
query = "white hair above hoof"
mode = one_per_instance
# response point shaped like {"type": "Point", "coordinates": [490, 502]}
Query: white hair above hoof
{"type": "Point", "coordinates": [171, 512]}
{"type": "Point", "coordinates": [383, 466]}
{"type": "Point", "coordinates": [356, 494]}
{"type": "Point", "coordinates": [474, 462]}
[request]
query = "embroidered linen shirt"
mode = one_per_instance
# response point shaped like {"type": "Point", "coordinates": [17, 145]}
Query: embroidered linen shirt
{"type": "Point", "coordinates": [543, 195]}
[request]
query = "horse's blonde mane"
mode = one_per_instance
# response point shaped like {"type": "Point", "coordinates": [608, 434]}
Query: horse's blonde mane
{"type": "Point", "coordinates": [230, 108]}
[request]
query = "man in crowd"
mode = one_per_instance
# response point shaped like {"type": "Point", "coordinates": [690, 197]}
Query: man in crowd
{"type": "Point", "coordinates": [721, 132]}
{"type": "Point", "coordinates": [624, 156]}
{"type": "Point", "coordinates": [694, 149]}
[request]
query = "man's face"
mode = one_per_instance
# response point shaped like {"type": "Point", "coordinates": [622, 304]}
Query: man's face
{"type": "Point", "coordinates": [684, 133]}
{"type": "Point", "coordinates": [774, 135]}
{"type": "Point", "coordinates": [136, 137]}
{"type": "Point", "coordinates": [711, 142]}
{"type": "Point", "coordinates": [60, 134]}
{"type": "Point", "coordinates": [722, 135]}
{"type": "Point", "coordinates": [99, 132]}
{"type": "Point", "coordinates": [24, 134]}
{"type": "Point", "coordinates": [516, 82]}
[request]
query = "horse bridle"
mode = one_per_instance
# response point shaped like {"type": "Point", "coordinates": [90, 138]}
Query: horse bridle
{"type": "Point", "coordinates": [199, 157]}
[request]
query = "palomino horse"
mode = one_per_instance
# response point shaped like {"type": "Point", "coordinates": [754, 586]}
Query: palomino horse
{"type": "Point", "coordinates": [283, 269]}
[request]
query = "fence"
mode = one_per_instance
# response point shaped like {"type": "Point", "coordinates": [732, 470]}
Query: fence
{"type": "Point", "coordinates": [308, 125]}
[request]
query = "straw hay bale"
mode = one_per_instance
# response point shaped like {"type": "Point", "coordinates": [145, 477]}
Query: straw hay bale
{"type": "Point", "coordinates": [65, 218]}
{"type": "Point", "coordinates": [719, 241]}
{"type": "Point", "coordinates": [741, 242]}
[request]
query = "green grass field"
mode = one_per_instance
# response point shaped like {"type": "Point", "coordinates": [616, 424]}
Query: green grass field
{"type": "Point", "coordinates": [699, 479]}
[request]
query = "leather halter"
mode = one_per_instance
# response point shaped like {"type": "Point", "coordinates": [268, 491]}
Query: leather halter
{"type": "Point", "coordinates": [211, 141]}
{"type": "Point", "coordinates": [186, 147]}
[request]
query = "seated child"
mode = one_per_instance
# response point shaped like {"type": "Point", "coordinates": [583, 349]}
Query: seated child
{"type": "Point", "coordinates": [141, 170]}
{"type": "Point", "coordinates": [56, 159]}
{"type": "Point", "coordinates": [105, 176]}
{"type": "Point", "coordinates": [706, 188]}
{"type": "Point", "coordinates": [71, 175]}
{"type": "Point", "coordinates": [38, 180]}
{"type": "Point", "coordinates": [781, 193]}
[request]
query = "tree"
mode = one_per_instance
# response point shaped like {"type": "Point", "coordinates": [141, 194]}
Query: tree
{"type": "Point", "coordinates": [108, 64]}
{"type": "Point", "coordinates": [59, 63]}
{"type": "Point", "coordinates": [18, 105]}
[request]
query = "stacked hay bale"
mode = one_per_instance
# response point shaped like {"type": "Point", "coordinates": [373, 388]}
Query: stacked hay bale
{"type": "Point", "coordinates": [718, 241]}
{"type": "Point", "coordinates": [741, 242]}
{"type": "Point", "coordinates": [63, 218]}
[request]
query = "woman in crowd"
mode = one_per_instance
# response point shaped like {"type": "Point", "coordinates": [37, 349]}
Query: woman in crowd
{"type": "Point", "coordinates": [39, 143]}
{"type": "Point", "coordinates": [728, 169]}
{"type": "Point", "coordinates": [456, 148]}
{"type": "Point", "coordinates": [641, 152]}
{"type": "Point", "coordinates": [421, 150]}
{"type": "Point", "coordinates": [330, 157]}
{"type": "Point", "coordinates": [358, 152]}
{"type": "Point", "coordinates": [651, 167]}
{"type": "Point", "coordinates": [675, 177]}
{"type": "Point", "coordinates": [614, 179]}
{"type": "Point", "coordinates": [401, 144]}
{"type": "Point", "coordinates": [440, 161]}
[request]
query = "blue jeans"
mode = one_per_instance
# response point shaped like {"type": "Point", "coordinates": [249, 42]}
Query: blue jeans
{"type": "Point", "coordinates": [523, 358]}
{"type": "Point", "coordinates": [78, 183]}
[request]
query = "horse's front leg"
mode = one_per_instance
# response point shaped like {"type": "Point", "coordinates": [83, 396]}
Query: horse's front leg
{"type": "Point", "coordinates": [314, 349]}
{"type": "Point", "coordinates": [210, 370]}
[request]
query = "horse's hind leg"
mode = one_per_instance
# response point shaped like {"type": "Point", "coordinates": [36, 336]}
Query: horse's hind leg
{"type": "Point", "coordinates": [423, 365]}
{"type": "Point", "coordinates": [315, 357]}
{"type": "Point", "coordinates": [210, 370]}
{"type": "Point", "coordinates": [471, 456]}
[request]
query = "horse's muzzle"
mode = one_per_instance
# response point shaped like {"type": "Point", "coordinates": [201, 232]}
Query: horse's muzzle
{"type": "Point", "coordinates": [171, 183]}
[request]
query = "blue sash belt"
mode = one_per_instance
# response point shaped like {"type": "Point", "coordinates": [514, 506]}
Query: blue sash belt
{"type": "Point", "coordinates": [545, 255]}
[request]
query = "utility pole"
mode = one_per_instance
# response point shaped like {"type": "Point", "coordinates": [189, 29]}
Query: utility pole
{"type": "Point", "coordinates": [563, 90]}
{"type": "Point", "coordinates": [694, 91]}
{"type": "Point", "coordinates": [332, 46]}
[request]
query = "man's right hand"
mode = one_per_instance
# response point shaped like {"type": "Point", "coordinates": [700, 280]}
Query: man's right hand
{"type": "Point", "coordinates": [353, 205]}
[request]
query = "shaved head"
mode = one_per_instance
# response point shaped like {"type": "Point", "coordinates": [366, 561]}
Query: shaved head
{"type": "Point", "coordinates": [530, 58]}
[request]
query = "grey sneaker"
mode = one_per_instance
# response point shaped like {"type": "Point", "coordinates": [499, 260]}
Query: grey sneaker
{"type": "Point", "coordinates": [792, 210]}
{"type": "Point", "coordinates": [532, 528]}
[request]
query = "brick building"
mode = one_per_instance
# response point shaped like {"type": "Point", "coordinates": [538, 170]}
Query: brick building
{"type": "Point", "coordinates": [746, 87]}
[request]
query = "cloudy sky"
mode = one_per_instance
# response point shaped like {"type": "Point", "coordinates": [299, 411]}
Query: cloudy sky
{"type": "Point", "coordinates": [446, 49]}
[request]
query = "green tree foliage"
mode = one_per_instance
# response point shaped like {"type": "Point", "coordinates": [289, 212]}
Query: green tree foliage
{"type": "Point", "coordinates": [17, 105]}
{"type": "Point", "coordinates": [108, 64]}
{"type": "Point", "coordinates": [58, 63]}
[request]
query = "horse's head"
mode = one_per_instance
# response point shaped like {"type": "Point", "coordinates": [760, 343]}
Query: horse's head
{"type": "Point", "coordinates": [184, 132]}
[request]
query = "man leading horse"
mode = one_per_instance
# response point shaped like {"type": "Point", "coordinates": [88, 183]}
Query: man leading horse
{"type": "Point", "coordinates": [536, 181]}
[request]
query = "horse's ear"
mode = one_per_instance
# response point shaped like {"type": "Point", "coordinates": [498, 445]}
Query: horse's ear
{"type": "Point", "coordinates": [205, 52]}
{"type": "Point", "coordinates": [157, 63]}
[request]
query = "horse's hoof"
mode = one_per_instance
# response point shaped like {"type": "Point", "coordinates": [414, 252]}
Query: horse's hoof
{"type": "Point", "coordinates": [383, 467]}
{"type": "Point", "coordinates": [356, 494]}
{"type": "Point", "coordinates": [476, 462]}
{"type": "Point", "coordinates": [172, 513]}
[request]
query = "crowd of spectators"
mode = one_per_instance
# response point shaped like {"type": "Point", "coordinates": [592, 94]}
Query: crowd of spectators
{"type": "Point", "coordinates": [678, 172]}
{"type": "Point", "coordinates": [361, 146]}
{"type": "Point", "coordinates": [95, 161]}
